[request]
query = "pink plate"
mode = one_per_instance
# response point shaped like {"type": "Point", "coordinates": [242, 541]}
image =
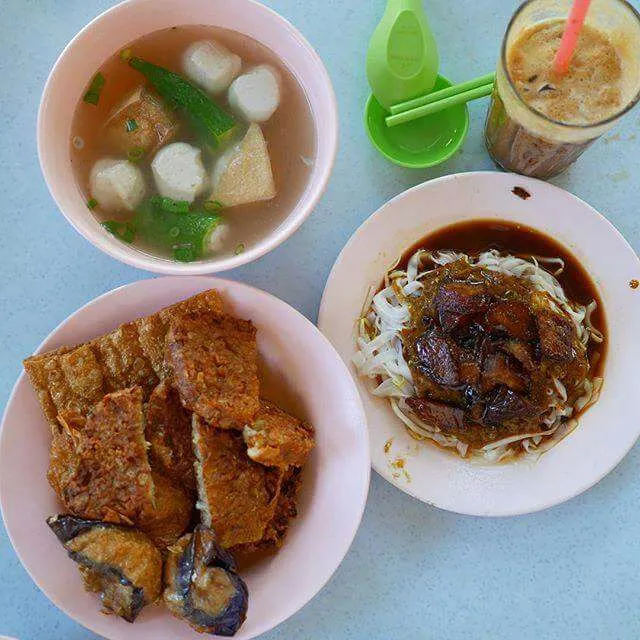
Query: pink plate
{"type": "Point", "coordinates": [300, 370]}
{"type": "Point", "coordinates": [606, 431]}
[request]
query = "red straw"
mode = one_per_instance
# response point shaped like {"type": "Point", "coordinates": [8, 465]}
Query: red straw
{"type": "Point", "coordinates": [570, 36]}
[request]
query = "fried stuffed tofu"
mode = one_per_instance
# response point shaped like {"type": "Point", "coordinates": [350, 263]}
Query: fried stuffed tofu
{"type": "Point", "coordinates": [277, 439]}
{"type": "Point", "coordinates": [168, 431]}
{"type": "Point", "coordinates": [214, 361]}
{"type": "Point", "coordinates": [109, 477]}
{"type": "Point", "coordinates": [237, 497]}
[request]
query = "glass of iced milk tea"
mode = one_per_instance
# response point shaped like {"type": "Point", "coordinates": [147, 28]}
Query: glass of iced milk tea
{"type": "Point", "coordinates": [539, 122]}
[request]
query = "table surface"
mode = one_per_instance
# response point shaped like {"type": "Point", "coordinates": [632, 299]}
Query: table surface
{"type": "Point", "coordinates": [413, 571]}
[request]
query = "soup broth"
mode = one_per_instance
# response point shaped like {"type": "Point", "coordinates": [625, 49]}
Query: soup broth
{"type": "Point", "coordinates": [289, 133]}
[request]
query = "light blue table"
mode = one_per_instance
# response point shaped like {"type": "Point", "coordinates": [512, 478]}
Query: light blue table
{"type": "Point", "coordinates": [569, 573]}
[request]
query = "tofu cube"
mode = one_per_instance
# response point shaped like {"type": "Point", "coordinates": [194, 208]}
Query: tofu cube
{"type": "Point", "coordinates": [179, 172]}
{"type": "Point", "coordinates": [117, 185]}
{"type": "Point", "coordinates": [243, 173]}
{"type": "Point", "coordinates": [255, 95]}
{"type": "Point", "coordinates": [211, 65]}
{"type": "Point", "coordinates": [140, 121]}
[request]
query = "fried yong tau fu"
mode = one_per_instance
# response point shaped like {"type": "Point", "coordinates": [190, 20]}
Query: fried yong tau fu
{"type": "Point", "coordinates": [155, 427]}
{"type": "Point", "coordinates": [483, 352]}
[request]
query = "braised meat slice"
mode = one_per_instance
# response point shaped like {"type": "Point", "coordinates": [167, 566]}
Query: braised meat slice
{"type": "Point", "coordinates": [457, 302]}
{"type": "Point", "coordinates": [500, 369]}
{"type": "Point", "coordinates": [556, 336]}
{"type": "Point", "coordinates": [521, 351]}
{"type": "Point", "coordinates": [437, 414]}
{"type": "Point", "coordinates": [502, 405]}
{"type": "Point", "coordinates": [436, 359]}
{"type": "Point", "coordinates": [513, 317]}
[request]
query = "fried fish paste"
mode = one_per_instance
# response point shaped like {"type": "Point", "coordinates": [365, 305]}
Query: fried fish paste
{"type": "Point", "coordinates": [74, 379]}
{"type": "Point", "coordinates": [238, 497]}
{"type": "Point", "coordinates": [214, 361]}
{"type": "Point", "coordinates": [105, 473]}
{"type": "Point", "coordinates": [277, 439]}
{"type": "Point", "coordinates": [286, 510]}
{"type": "Point", "coordinates": [168, 431]}
{"type": "Point", "coordinates": [153, 329]}
{"type": "Point", "coordinates": [168, 517]}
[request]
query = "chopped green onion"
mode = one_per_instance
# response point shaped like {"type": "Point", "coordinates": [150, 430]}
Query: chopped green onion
{"type": "Point", "coordinates": [213, 206]}
{"type": "Point", "coordinates": [174, 232]}
{"type": "Point", "coordinates": [239, 249]}
{"type": "Point", "coordinates": [170, 205]}
{"type": "Point", "coordinates": [130, 125]}
{"type": "Point", "coordinates": [125, 54]}
{"type": "Point", "coordinates": [92, 96]}
{"type": "Point", "coordinates": [92, 204]}
{"type": "Point", "coordinates": [136, 154]}
{"type": "Point", "coordinates": [185, 253]}
{"type": "Point", "coordinates": [126, 231]}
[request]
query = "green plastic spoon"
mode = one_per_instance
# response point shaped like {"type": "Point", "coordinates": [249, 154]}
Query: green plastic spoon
{"type": "Point", "coordinates": [402, 60]}
{"type": "Point", "coordinates": [402, 63]}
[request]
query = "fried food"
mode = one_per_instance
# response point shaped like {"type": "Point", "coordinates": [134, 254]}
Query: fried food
{"type": "Point", "coordinates": [74, 379]}
{"type": "Point", "coordinates": [146, 420]}
{"type": "Point", "coordinates": [202, 585]}
{"type": "Point", "coordinates": [214, 360]}
{"type": "Point", "coordinates": [120, 563]}
{"type": "Point", "coordinates": [153, 329]}
{"type": "Point", "coordinates": [277, 439]}
{"type": "Point", "coordinates": [238, 497]}
{"type": "Point", "coordinates": [109, 477]}
{"type": "Point", "coordinates": [286, 509]}
{"type": "Point", "coordinates": [168, 431]}
{"type": "Point", "coordinates": [123, 361]}
{"type": "Point", "coordinates": [66, 380]}
{"type": "Point", "coordinates": [168, 517]}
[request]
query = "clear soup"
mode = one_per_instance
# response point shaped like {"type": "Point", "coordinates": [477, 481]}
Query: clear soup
{"type": "Point", "coordinates": [290, 133]}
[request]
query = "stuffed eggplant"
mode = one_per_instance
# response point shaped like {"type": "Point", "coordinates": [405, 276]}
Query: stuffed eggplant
{"type": "Point", "coordinates": [120, 563]}
{"type": "Point", "coordinates": [203, 587]}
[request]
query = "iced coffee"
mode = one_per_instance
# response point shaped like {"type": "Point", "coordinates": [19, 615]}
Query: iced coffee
{"type": "Point", "coordinates": [540, 121]}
